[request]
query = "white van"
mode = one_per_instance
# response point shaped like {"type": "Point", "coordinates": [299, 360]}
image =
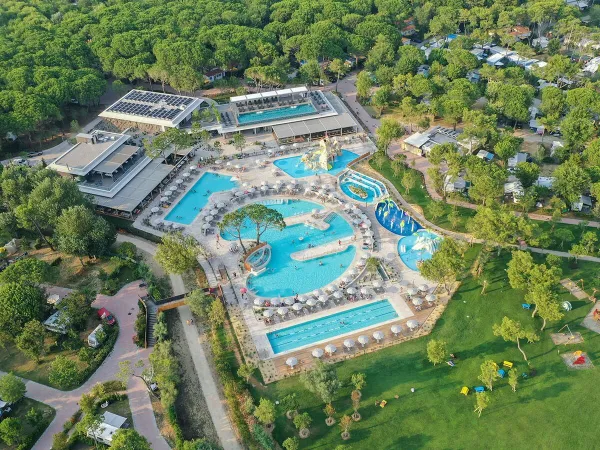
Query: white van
{"type": "Point", "coordinates": [94, 339]}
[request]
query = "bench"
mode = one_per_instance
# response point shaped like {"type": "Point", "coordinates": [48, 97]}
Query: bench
{"type": "Point", "coordinates": [465, 390]}
{"type": "Point", "coordinates": [479, 389]}
{"type": "Point", "coordinates": [508, 364]}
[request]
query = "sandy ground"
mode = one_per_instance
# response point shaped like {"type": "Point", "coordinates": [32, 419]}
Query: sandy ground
{"type": "Point", "coordinates": [193, 414]}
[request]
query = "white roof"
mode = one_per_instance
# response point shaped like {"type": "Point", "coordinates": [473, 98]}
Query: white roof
{"type": "Point", "coordinates": [111, 423]}
{"type": "Point", "coordinates": [513, 187]}
{"type": "Point", "coordinates": [546, 182]}
{"type": "Point", "coordinates": [56, 322]}
{"type": "Point", "coordinates": [495, 59]}
{"type": "Point", "coordinates": [417, 139]}
{"type": "Point", "coordinates": [519, 157]}
{"type": "Point", "coordinates": [257, 95]}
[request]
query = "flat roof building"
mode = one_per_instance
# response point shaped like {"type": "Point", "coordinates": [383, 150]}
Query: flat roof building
{"type": "Point", "coordinates": [422, 143]}
{"type": "Point", "coordinates": [154, 109]}
{"type": "Point", "coordinates": [114, 170]}
{"type": "Point", "coordinates": [111, 423]}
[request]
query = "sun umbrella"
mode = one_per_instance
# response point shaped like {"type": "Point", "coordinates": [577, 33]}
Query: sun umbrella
{"type": "Point", "coordinates": [292, 361]}
{"type": "Point", "coordinates": [164, 199]}
{"type": "Point", "coordinates": [349, 343]}
{"type": "Point", "coordinates": [331, 288]}
{"type": "Point", "coordinates": [423, 288]}
{"type": "Point", "coordinates": [205, 226]}
{"type": "Point", "coordinates": [322, 298]}
{"type": "Point", "coordinates": [219, 161]}
{"type": "Point", "coordinates": [168, 194]}
{"type": "Point", "coordinates": [268, 313]}
{"type": "Point", "coordinates": [347, 206]}
{"type": "Point", "coordinates": [297, 306]}
{"type": "Point", "coordinates": [367, 222]}
{"type": "Point", "coordinates": [178, 181]}
{"type": "Point", "coordinates": [302, 299]}
{"type": "Point", "coordinates": [155, 209]}
{"type": "Point", "coordinates": [307, 191]}
{"type": "Point", "coordinates": [259, 301]}
{"type": "Point", "coordinates": [276, 301]}
{"type": "Point", "coordinates": [274, 171]}
{"type": "Point", "coordinates": [214, 212]}
{"type": "Point", "coordinates": [431, 298]}
{"type": "Point", "coordinates": [417, 301]}
{"type": "Point", "coordinates": [209, 218]}
{"type": "Point", "coordinates": [313, 184]}
{"type": "Point", "coordinates": [352, 272]}
{"type": "Point", "coordinates": [346, 279]}
{"type": "Point", "coordinates": [282, 311]}
{"type": "Point", "coordinates": [237, 166]}
{"type": "Point", "coordinates": [378, 335]}
{"type": "Point", "coordinates": [377, 284]}
{"type": "Point", "coordinates": [330, 348]}
{"type": "Point", "coordinates": [239, 194]}
{"type": "Point", "coordinates": [364, 291]}
{"type": "Point", "coordinates": [192, 168]}
{"type": "Point", "coordinates": [363, 339]}
{"type": "Point", "coordinates": [291, 186]}
{"type": "Point", "coordinates": [338, 294]}
{"type": "Point", "coordinates": [412, 324]}
{"type": "Point", "coordinates": [289, 301]}
{"type": "Point", "coordinates": [311, 302]}
{"type": "Point", "coordinates": [317, 352]}
{"type": "Point", "coordinates": [369, 233]}
{"type": "Point", "coordinates": [282, 147]}
{"type": "Point", "coordinates": [411, 291]}
{"type": "Point", "coordinates": [173, 188]}
{"type": "Point", "coordinates": [220, 205]}
{"type": "Point", "coordinates": [316, 292]}
{"type": "Point", "coordinates": [157, 222]}
{"type": "Point", "coordinates": [264, 188]}
{"type": "Point", "coordinates": [396, 329]}
{"type": "Point", "coordinates": [296, 145]}
{"type": "Point", "coordinates": [356, 221]}
{"type": "Point", "coordinates": [368, 241]}
{"type": "Point", "coordinates": [365, 225]}
{"type": "Point", "coordinates": [252, 190]}
{"type": "Point", "coordinates": [351, 291]}
{"type": "Point", "coordinates": [186, 174]}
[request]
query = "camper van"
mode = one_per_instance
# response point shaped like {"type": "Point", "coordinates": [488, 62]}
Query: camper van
{"type": "Point", "coordinates": [95, 338]}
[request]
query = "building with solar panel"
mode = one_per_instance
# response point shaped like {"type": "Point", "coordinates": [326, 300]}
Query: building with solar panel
{"type": "Point", "coordinates": [115, 171]}
{"type": "Point", "coordinates": [152, 111]}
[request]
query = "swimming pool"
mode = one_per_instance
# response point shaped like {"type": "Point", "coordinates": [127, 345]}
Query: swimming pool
{"type": "Point", "coordinates": [417, 248]}
{"type": "Point", "coordinates": [285, 276]}
{"type": "Point", "coordinates": [373, 188]}
{"type": "Point", "coordinates": [395, 219]}
{"type": "Point", "coordinates": [296, 168]}
{"type": "Point", "coordinates": [274, 114]}
{"type": "Point", "coordinates": [331, 326]}
{"type": "Point", "coordinates": [190, 205]}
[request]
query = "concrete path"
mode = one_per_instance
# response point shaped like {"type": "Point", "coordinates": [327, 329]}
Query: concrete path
{"type": "Point", "coordinates": [124, 307]}
{"type": "Point", "coordinates": [218, 411]}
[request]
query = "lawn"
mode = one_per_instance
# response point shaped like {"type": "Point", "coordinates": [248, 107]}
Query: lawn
{"type": "Point", "coordinates": [30, 432]}
{"type": "Point", "coordinates": [120, 408]}
{"type": "Point", "coordinates": [13, 360]}
{"type": "Point", "coordinates": [420, 197]}
{"type": "Point", "coordinates": [552, 410]}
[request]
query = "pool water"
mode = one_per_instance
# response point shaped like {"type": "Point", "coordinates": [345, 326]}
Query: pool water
{"type": "Point", "coordinates": [395, 219]}
{"type": "Point", "coordinates": [417, 248]}
{"type": "Point", "coordinates": [190, 205]}
{"type": "Point", "coordinates": [331, 326]}
{"type": "Point", "coordinates": [295, 168]}
{"type": "Point", "coordinates": [285, 276]}
{"type": "Point", "coordinates": [275, 114]}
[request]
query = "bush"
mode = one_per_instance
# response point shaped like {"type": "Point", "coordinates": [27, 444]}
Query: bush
{"type": "Point", "coordinates": [140, 326]}
{"type": "Point", "coordinates": [113, 386]}
{"type": "Point", "coordinates": [263, 438]}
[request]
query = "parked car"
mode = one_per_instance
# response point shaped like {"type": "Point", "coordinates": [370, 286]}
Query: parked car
{"type": "Point", "coordinates": [34, 154]}
{"type": "Point", "coordinates": [105, 315]}
{"type": "Point", "coordinates": [19, 162]}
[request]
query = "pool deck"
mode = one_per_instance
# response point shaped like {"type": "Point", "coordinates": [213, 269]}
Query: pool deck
{"type": "Point", "coordinates": [250, 331]}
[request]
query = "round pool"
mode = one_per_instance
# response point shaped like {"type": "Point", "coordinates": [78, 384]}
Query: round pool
{"type": "Point", "coordinates": [418, 247]}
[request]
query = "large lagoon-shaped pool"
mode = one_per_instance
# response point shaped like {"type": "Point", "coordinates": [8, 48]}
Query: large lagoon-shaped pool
{"type": "Point", "coordinates": [190, 205]}
{"type": "Point", "coordinates": [286, 277]}
{"type": "Point", "coordinates": [296, 168]}
{"type": "Point", "coordinates": [331, 326]}
{"type": "Point", "coordinates": [417, 248]}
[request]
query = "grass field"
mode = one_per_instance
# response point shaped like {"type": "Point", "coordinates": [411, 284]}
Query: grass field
{"type": "Point", "coordinates": [553, 410]}
{"type": "Point", "coordinates": [20, 409]}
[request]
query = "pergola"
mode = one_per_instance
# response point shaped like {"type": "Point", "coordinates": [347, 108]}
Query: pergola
{"type": "Point", "coordinates": [315, 128]}
{"type": "Point", "coordinates": [294, 93]}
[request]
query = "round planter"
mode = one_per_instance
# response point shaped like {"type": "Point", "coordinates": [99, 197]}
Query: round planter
{"type": "Point", "coordinates": [356, 417]}
{"type": "Point", "coordinates": [330, 421]}
{"type": "Point", "coordinates": [345, 435]}
{"type": "Point", "coordinates": [304, 433]}
{"type": "Point", "coordinates": [291, 414]}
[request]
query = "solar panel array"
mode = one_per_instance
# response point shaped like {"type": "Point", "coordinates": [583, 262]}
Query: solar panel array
{"type": "Point", "coordinates": [151, 104]}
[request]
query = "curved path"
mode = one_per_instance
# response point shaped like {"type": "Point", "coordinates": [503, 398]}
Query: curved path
{"type": "Point", "coordinates": [124, 307]}
{"type": "Point", "coordinates": [217, 410]}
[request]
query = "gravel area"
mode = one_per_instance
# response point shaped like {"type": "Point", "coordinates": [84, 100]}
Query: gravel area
{"type": "Point", "coordinates": [192, 410]}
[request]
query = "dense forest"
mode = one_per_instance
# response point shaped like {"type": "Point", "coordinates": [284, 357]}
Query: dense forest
{"type": "Point", "coordinates": [55, 52]}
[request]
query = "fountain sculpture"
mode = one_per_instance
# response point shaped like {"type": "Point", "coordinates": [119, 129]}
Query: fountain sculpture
{"type": "Point", "coordinates": [322, 157]}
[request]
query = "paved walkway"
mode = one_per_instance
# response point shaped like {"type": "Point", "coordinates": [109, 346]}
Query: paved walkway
{"type": "Point", "coordinates": [217, 410]}
{"type": "Point", "coordinates": [124, 307]}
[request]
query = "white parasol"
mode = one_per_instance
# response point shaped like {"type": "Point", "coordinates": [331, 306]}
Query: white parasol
{"type": "Point", "coordinates": [282, 311]}
{"type": "Point", "coordinates": [338, 294]}
{"type": "Point", "coordinates": [317, 352]}
{"type": "Point", "coordinates": [164, 199]}
{"type": "Point", "coordinates": [423, 288]}
{"type": "Point", "coordinates": [396, 329]}
{"type": "Point", "coordinates": [311, 302]}
{"type": "Point", "coordinates": [417, 301]}
{"type": "Point", "coordinates": [208, 218]}
{"type": "Point", "coordinates": [349, 343]}
{"type": "Point", "coordinates": [378, 335]}
{"type": "Point", "coordinates": [377, 284]}
{"type": "Point", "coordinates": [351, 291]}
{"type": "Point", "coordinates": [173, 188]}
{"type": "Point", "coordinates": [259, 301]}
{"type": "Point", "coordinates": [276, 301]}
{"type": "Point", "coordinates": [268, 313]}
{"type": "Point", "coordinates": [292, 361]}
{"type": "Point", "coordinates": [412, 324]}
{"type": "Point", "coordinates": [297, 306]}
{"type": "Point", "coordinates": [289, 301]}
{"type": "Point", "coordinates": [178, 181]}
{"type": "Point", "coordinates": [155, 209]}
{"type": "Point", "coordinates": [330, 348]}
{"type": "Point", "coordinates": [431, 298]}
{"type": "Point", "coordinates": [412, 291]}
{"type": "Point", "coordinates": [302, 299]}
{"type": "Point", "coordinates": [363, 339]}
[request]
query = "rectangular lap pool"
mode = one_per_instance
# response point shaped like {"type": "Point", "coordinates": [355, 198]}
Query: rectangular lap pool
{"type": "Point", "coordinates": [331, 326]}
{"type": "Point", "coordinates": [197, 197]}
{"type": "Point", "coordinates": [276, 114]}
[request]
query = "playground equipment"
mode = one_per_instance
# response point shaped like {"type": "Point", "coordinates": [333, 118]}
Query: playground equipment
{"type": "Point", "coordinates": [321, 158]}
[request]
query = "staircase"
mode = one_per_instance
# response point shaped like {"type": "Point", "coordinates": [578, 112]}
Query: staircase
{"type": "Point", "coordinates": [150, 321]}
